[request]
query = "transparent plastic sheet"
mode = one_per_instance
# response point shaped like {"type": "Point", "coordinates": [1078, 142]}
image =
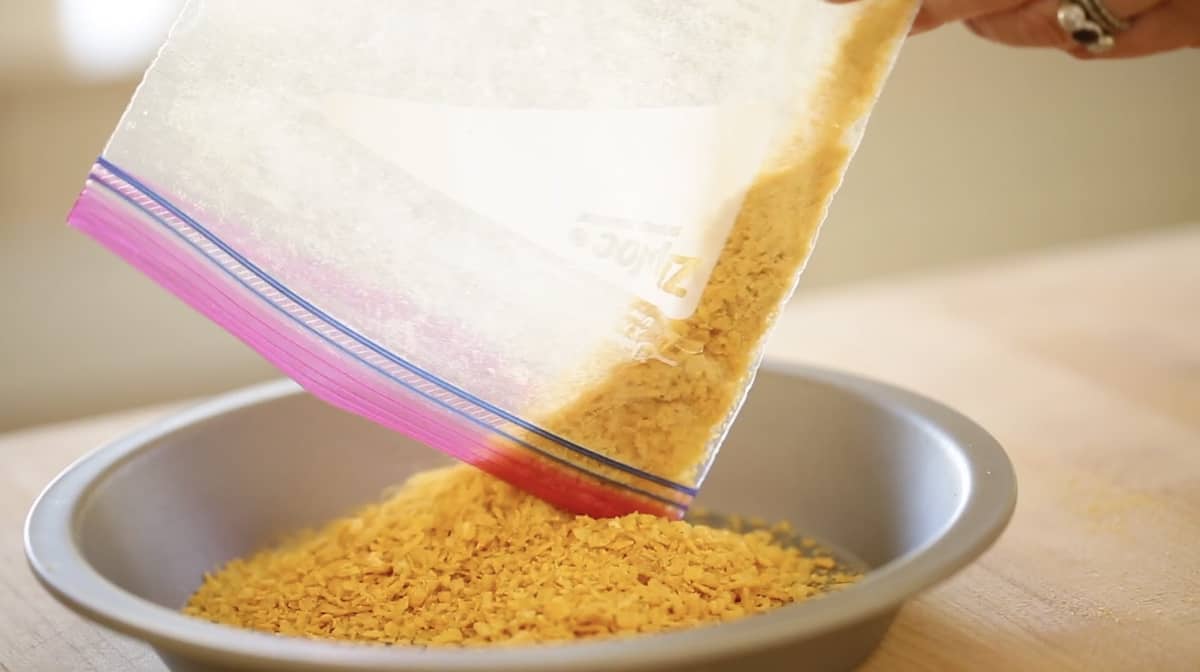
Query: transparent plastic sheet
{"type": "Point", "coordinates": [547, 237]}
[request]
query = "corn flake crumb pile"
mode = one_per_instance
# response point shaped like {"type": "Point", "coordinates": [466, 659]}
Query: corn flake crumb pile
{"type": "Point", "coordinates": [457, 557]}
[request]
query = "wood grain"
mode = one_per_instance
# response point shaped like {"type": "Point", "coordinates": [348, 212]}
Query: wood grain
{"type": "Point", "coordinates": [1085, 364]}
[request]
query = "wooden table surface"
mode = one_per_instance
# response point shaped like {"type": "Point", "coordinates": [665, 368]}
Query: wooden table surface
{"type": "Point", "coordinates": [1084, 363]}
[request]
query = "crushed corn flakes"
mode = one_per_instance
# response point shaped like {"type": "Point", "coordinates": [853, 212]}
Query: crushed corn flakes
{"type": "Point", "coordinates": [457, 557]}
{"type": "Point", "coordinates": [663, 417]}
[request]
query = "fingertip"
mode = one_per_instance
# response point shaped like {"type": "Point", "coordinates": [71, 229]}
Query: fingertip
{"type": "Point", "coordinates": [923, 23]}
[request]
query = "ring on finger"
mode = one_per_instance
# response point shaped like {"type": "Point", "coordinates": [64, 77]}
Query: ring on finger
{"type": "Point", "coordinates": [1090, 24]}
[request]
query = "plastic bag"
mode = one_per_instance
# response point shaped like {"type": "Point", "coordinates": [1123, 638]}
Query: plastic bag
{"type": "Point", "coordinates": [547, 237]}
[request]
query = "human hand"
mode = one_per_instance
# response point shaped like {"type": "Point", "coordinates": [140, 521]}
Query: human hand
{"type": "Point", "coordinates": [1111, 28]}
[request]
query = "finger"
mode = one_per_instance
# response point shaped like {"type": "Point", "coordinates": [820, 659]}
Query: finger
{"type": "Point", "coordinates": [937, 12]}
{"type": "Point", "coordinates": [1034, 24]}
{"type": "Point", "coordinates": [1165, 28]}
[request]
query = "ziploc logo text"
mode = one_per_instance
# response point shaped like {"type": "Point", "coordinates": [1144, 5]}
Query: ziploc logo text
{"type": "Point", "coordinates": [638, 197]}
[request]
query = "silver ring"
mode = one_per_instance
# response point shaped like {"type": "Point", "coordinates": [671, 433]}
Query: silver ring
{"type": "Point", "coordinates": [1090, 24]}
{"type": "Point", "coordinates": [1101, 14]}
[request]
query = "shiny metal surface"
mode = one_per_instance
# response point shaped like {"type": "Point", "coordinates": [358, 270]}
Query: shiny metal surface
{"type": "Point", "coordinates": [124, 535]}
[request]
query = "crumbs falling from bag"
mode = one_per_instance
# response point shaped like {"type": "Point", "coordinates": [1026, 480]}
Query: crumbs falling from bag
{"type": "Point", "coordinates": [457, 557]}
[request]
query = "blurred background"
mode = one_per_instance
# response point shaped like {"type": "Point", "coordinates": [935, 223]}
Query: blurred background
{"type": "Point", "coordinates": [975, 151]}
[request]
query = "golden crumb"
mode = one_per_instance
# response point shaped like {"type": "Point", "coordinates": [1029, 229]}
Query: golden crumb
{"type": "Point", "coordinates": [457, 557]}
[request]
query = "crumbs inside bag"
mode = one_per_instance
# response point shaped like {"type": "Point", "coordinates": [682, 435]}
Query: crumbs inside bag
{"type": "Point", "coordinates": [457, 557]}
{"type": "Point", "coordinates": [664, 414]}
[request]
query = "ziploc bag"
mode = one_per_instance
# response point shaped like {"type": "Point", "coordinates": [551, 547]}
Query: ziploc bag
{"type": "Point", "coordinates": [547, 237]}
